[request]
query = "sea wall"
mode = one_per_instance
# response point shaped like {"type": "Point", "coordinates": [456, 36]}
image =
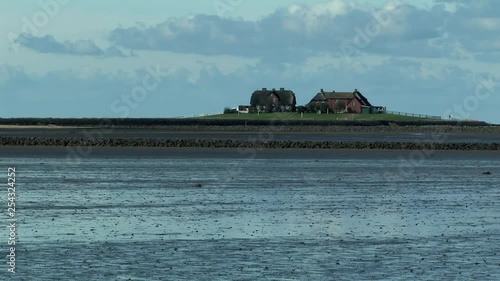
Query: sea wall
{"type": "Point", "coordinates": [127, 142]}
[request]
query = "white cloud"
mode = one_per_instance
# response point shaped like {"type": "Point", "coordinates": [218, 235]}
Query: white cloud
{"type": "Point", "coordinates": [422, 53]}
{"type": "Point", "coordinates": [488, 24]}
{"type": "Point", "coordinates": [333, 8]}
{"type": "Point", "coordinates": [48, 44]}
{"type": "Point", "coordinates": [305, 18]}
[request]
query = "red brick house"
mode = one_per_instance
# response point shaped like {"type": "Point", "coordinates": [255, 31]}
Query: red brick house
{"type": "Point", "coordinates": [345, 102]}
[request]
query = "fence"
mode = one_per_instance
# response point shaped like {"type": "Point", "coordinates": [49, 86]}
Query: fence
{"type": "Point", "coordinates": [200, 115]}
{"type": "Point", "coordinates": [414, 115]}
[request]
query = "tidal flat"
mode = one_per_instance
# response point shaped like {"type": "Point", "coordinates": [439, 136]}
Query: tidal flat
{"type": "Point", "coordinates": [227, 214]}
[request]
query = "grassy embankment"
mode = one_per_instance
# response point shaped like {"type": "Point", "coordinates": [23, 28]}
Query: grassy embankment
{"type": "Point", "coordinates": [313, 116]}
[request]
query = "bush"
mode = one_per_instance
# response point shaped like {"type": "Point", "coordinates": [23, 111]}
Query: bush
{"type": "Point", "coordinates": [301, 109]}
{"type": "Point", "coordinates": [323, 107]}
{"type": "Point", "coordinates": [310, 108]}
{"type": "Point", "coordinates": [228, 110]}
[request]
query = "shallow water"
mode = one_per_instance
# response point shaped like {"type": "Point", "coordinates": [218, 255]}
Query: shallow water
{"type": "Point", "coordinates": [146, 218]}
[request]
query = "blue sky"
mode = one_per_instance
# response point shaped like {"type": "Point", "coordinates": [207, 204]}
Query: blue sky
{"type": "Point", "coordinates": [69, 58]}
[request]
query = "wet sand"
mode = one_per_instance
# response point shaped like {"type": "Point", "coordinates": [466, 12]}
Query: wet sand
{"type": "Point", "coordinates": [278, 134]}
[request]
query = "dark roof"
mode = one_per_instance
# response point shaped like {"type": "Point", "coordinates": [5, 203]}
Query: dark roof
{"type": "Point", "coordinates": [361, 98]}
{"type": "Point", "coordinates": [323, 96]}
{"type": "Point", "coordinates": [261, 97]}
{"type": "Point", "coordinates": [319, 97]}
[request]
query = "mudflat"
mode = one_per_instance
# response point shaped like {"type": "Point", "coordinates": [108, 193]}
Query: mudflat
{"type": "Point", "coordinates": [201, 214]}
{"type": "Point", "coordinates": [328, 134]}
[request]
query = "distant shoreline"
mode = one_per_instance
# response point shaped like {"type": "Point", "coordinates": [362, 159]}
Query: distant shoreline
{"type": "Point", "coordinates": [38, 127]}
{"type": "Point", "coordinates": [208, 122]}
{"type": "Point", "coordinates": [216, 128]}
{"type": "Point", "coordinates": [486, 129]}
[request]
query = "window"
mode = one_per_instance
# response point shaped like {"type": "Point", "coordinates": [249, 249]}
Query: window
{"type": "Point", "coordinates": [353, 103]}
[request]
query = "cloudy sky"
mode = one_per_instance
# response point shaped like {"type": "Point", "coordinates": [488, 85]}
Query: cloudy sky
{"type": "Point", "coordinates": [157, 58]}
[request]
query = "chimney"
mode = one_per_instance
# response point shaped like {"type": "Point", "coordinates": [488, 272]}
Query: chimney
{"type": "Point", "coordinates": [282, 89]}
{"type": "Point", "coordinates": [321, 91]}
{"type": "Point", "coordinates": [264, 89]}
{"type": "Point", "coordinates": [355, 90]}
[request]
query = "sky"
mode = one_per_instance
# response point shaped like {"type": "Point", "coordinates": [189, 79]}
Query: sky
{"type": "Point", "coordinates": [157, 58]}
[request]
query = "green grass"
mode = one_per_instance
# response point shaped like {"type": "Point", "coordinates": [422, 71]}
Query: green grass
{"type": "Point", "coordinates": [310, 116]}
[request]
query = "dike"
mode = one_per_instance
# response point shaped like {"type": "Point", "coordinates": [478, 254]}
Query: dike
{"type": "Point", "coordinates": [127, 142]}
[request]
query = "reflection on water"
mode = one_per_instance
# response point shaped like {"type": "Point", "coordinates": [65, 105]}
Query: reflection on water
{"type": "Point", "coordinates": [228, 219]}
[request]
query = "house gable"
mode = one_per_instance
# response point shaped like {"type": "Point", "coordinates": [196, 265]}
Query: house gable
{"type": "Point", "coordinates": [354, 105]}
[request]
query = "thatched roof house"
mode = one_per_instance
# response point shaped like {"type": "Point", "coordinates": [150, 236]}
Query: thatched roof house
{"type": "Point", "coordinates": [273, 100]}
